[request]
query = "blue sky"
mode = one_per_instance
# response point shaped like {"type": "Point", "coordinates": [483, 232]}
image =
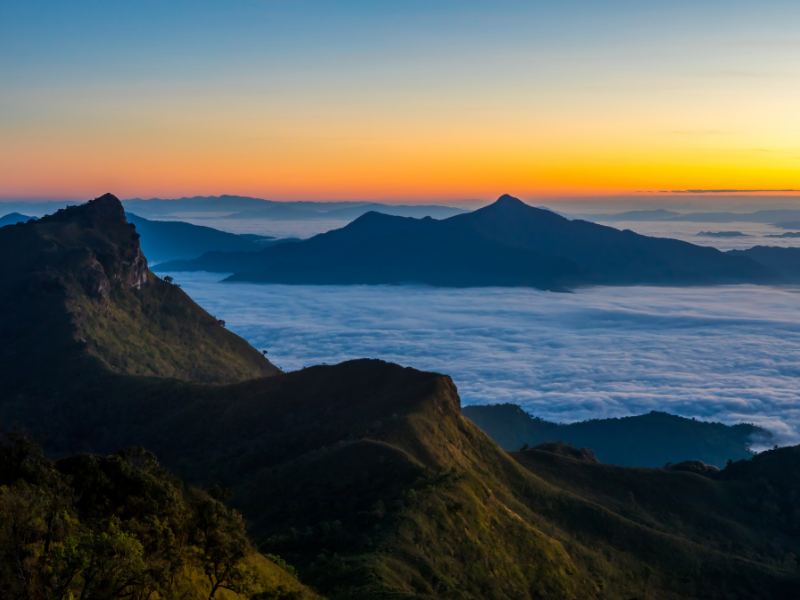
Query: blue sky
{"type": "Point", "coordinates": [397, 100]}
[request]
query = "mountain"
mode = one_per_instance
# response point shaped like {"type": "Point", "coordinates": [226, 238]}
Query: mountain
{"type": "Point", "coordinates": [81, 292]}
{"type": "Point", "coordinates": [505, 244]}
{"type": "Point", "coordinates": [786, 235]}
{"type": "Point", "coordinates": [657, 214]}
{"type": "Point", "coordinates": [14, 218]}
{"type": "Point", "coordinates": [242, 207]}
{"type": "Point", "coordinates": [787, 225]}
{"type": "Point", "coordinates": [771, 216]}
{"type": "Point", "coordinates": [175, 240]}
{"type": "Point", "coordinates": [364, 476]}
{"type": "Point", "coordinates": [722, 234]}
{"type": "Point", "coordinates": [122, 526]}
{"type": "Point", "coordinates": [785, 262]}
{"type": "Point", "coordinates": [649, 440]}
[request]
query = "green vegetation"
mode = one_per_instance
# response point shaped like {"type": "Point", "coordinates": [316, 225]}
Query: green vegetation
{"type": "Point", "coordinates": [79, 289]}
{"type": "Point", "coordinates": [120, 526]}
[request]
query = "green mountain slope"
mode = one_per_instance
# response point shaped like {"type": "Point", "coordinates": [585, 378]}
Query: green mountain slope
{"type": "Point", "coordinates": [78, 287]}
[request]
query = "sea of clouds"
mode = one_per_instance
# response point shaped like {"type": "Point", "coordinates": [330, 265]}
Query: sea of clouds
{"type": "Point", "coordinates": [724, 353]}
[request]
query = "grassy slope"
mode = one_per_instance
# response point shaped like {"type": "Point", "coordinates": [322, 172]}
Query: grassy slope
{"type": "Point", "coordinates": [87, 292]}
{"type": "Point", "coordinates": [365, 476]}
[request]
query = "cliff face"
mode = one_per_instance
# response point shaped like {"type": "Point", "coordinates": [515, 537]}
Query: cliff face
{"type": "Point", "coordinates": [80, 287]}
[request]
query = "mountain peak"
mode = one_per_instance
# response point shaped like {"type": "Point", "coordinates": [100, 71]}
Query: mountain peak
{"type": "Point", "coordinates": [508, 200]}
{"type": "Point", "coordinates": [103, 210]}
{"type": "Point", "coordinates": [97, 299]}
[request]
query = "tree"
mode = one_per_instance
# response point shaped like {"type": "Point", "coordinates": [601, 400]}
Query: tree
{"type": "Point", "coordinates": [219, 535]}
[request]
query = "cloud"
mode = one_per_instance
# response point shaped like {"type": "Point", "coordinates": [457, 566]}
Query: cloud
{"type": "Point", "coordinates": [727, 353]}
{"type": "Point", "coordinates": [729, 191]}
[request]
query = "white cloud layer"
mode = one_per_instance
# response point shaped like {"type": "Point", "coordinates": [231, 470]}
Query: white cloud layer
{"type": "Point", "coordinates": [723, 353]}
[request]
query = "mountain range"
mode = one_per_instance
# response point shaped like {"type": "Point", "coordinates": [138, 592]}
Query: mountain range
{"type": "Point", "coordinates": [508, 243]}
{"type": "Point", "coordinates": [244, 207]}
{"type": "Point", "coordinates": [649, 440]}
{"type": "Point", "coordinates": [766, 216]}
{"type": "Point", "coordinates": [176, 240]}
{"type": "Point", "coordinates": [364, 476]}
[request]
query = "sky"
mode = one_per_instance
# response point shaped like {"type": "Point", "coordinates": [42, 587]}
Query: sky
{"type": "Point", "coordinates": [408, 101]}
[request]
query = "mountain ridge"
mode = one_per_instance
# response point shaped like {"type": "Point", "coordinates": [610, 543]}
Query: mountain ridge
{"type": "Point", "coordinates": [508, 243]}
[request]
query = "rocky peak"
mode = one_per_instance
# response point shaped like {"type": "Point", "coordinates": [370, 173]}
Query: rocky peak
{"type": "Point", "coordinates": [104, 246]}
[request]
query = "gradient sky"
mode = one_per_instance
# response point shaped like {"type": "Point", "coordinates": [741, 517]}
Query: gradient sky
{"type": "Point", "coordinates": [404, 100]}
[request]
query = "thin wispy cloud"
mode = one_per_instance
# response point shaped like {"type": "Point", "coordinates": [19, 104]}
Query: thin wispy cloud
{"type": "Point", "coordinates": [731, 191]}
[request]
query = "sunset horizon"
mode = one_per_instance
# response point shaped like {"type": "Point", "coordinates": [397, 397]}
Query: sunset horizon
{"type": "Point", "coordinates": [454, 101]}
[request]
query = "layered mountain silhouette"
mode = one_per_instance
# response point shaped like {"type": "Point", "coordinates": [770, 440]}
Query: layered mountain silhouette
{"type": "Point", "coordinates": [176, 240]}
{"type": "Point", "coordinates": [244, 207]}
{"type": "Point", "coordinates": [650, 440]}
{"type": "Point", "coordinates": [14, 218]}
{"type": "Point", "coordinates": [364, 476]}
{"type": "Point", "coordinates": [505, 244]}
{"type": "Point", "coordinates": [784, 262]}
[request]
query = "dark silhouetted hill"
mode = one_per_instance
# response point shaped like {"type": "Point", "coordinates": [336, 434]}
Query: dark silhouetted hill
{"type": "Point", "coordinates": [785, 262]}
{"type": "Point", "coordinates": [175, 240]}
{"type": "Point", "coordinates": [505, 244]}
{"type": "Point", "coordinates": [14, 218]}
{"type": "Point", "coordinates": [650, 440]}
{"type": "Point", "coordinates": [243, 207]}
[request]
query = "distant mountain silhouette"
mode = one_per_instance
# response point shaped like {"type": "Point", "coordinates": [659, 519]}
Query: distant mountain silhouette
{"type": "Point", "coordinates": [787, 225]}
{"type": "Point", "coordinates": [175, 240]}
{"type": "Point", "coordinates": [656, 214]}
{"type": "Point", "coordinates": [650, 440]}
{"type": "Point", "coordinates": [771, 216]}
{"type": "Point", "coordinates": [723, 234]}
{"type": "Point", "coordinates": [784, 262]}
{"type": "Point", "coordinates": [14, 218]}
{"type": "Point", "coordinates": [243, 207]}
{"type": "Point", "coordinates": [505, 244]}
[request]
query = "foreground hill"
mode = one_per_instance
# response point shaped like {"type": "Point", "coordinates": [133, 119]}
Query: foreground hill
{"type": "Point", "coordinates": [508, 243]}
{"type": "Point", "coordinates": [120, 526]}
{"type": "Point", "coordinates": [366, 477]}
{"type": "Point", "coordinates": [79, 290]}
{"type": "Point", "coordinates": [650, 440]}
